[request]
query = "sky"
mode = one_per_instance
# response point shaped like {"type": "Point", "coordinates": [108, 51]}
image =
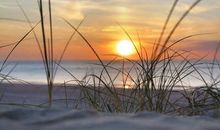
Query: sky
{"type": "Point", "coordinates": [143, 19]}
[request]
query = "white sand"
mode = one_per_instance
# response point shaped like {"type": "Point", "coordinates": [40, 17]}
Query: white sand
{"type": "Point", "coordinates": [61, 118]}
{"type": "Point", "coordinates": [52, 119]}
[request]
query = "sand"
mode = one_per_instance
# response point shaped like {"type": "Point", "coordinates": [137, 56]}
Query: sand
{"type": "Point", "coordinates": [56, 119]}
{"type": "Point", "coordinates": [60, 116]}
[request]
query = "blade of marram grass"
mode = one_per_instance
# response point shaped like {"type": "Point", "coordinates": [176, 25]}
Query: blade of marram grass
{"type": "Point", "coordinates": [166, 23]}
{"type": "Point", "coordinates": [34, 33]}
{"type": "Point", "coordinates": [44, 37]}
{"type": "Point", "coordinates": [51, 41]}
{"type": "Point", "coordinates": [44, 40]}
{"type": "Point", "coordinates": [7, 45]}
{"type": "Point", "coordinates": [161, 52]}
{"type": "Point", "coordinates": [13, 20]}
{"type": "Point", "coordinates": [66, 46]}
{"type": "Point", "coordinates": [15, 46]}
{"type": "Point", "coordinates": [179, 21]}
{"type": "Point", "coordinates": [92, 48]}
{"type": "Point", "coordinates": [47, 50]}
{"type": "Point", "coordinates": [5, 76]}
{"type": "Point", "coordinates": [178, 41]}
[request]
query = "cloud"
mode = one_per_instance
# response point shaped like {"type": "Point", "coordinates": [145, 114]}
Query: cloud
{"type": "Point", "coordinates": [8, 4]}
{"type": "Point", "coordinates": [200, 45]}
{"type": "Point", "coordinates": [70, 11]}
{"type": "Point", "coordinates": [202, 7]}
{"type": "Point", "coordinates": [110, 29]}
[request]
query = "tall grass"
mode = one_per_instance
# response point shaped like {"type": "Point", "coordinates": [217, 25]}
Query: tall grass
{"type": "Point", "coordinates": [157, 74]}
{"type": "Point", "coordinates": [47, 47]}
{"type": "Point", "coordinates": [6, 77]}
{"type": "Point", "coordinates": [45, 44]}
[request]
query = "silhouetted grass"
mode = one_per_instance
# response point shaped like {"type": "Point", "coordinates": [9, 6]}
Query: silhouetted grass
{"type": "Point", "coordinates": [157, 74]}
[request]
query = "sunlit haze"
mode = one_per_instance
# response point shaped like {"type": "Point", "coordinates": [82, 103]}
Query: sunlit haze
{"type": "Point", "coordinates": [142, 19]}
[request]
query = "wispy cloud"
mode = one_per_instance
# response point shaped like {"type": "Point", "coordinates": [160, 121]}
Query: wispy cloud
{"type": "Point", "coordinates": [70, 11]}
{"type": "Point", "coordinates": [145, 17]}
{"type": "Point", "coordinates": [203, 7]}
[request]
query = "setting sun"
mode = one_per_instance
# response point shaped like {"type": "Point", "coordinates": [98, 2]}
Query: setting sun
{"type": "Point", "coordinates": [125, 47]}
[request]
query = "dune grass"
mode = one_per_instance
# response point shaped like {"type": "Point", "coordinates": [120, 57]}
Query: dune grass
{"type": "Point", "coordinates": [47, 47]}
{"type": "Point", "coordinates": [155, 77]}
{"type": "Point", "coordinates": [157, 74]}
{"type": "Point", "coordinates": [46, 44]}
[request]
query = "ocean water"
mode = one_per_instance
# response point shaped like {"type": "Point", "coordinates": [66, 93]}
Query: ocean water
{"type": "Point", "coordinates": [33, 72]}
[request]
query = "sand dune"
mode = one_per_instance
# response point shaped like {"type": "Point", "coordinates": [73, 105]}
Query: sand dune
{"type": "Point", "coordinates": [15, 117]}
{"type": "Point", "coordinates": [56, 119]}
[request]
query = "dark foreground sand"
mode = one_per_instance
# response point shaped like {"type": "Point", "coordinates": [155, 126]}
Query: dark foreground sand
{"type": "Point", "coordinates": [28, 117]}
{"type": "Point", "coordinates": [54, 119]}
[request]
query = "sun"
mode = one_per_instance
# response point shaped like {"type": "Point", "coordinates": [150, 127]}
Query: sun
{"type": "Point", "coordinates": [125, 48]}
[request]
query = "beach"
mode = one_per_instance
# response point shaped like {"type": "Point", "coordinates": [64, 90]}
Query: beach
{"type": "Point", "coordinates": [109, 65]}
{"type": "Point", "coordinates": [14, 118]}
{"type": "Point", "coordinates": [26, 107]}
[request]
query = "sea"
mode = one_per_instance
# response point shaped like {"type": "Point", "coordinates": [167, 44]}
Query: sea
{"type": "Point", "coordinates": [34, 72]}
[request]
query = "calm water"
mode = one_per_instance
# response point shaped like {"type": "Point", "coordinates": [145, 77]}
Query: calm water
{"type": "Point", "coordinates": [33, 71]}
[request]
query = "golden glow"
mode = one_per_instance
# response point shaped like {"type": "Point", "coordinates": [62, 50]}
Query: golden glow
{"type": "Point", "coordinates": [125, 48]}
{"type": "Point", "coordinates": [100, 28]}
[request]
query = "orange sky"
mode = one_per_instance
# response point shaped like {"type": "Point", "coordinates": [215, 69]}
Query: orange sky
{"type": "Point", "coordinates": [143, 17]}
